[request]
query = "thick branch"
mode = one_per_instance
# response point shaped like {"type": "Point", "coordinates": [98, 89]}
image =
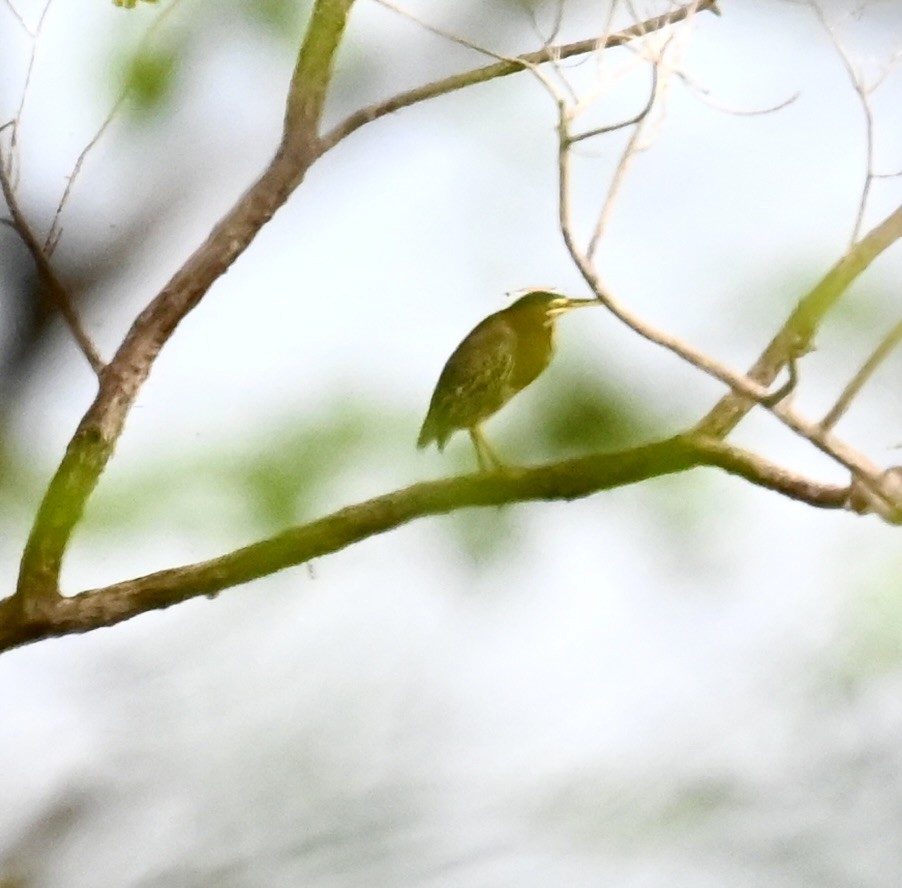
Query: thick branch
{"type": "Point", "coordinates": [560, 481]}
{"type": "Point", "coordinates": [92, 445]}
{"type": "Point", "coordinates": [798, 332]}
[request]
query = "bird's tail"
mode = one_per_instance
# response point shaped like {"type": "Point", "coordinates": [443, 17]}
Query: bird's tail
{"type": "Point", "coordinates": [427, 434]}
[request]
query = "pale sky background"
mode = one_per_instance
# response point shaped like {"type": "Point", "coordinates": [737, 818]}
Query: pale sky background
{"type": "Point", "coordinates": [685, 684]}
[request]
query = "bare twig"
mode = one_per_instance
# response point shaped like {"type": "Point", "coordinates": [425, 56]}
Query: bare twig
{"type": "Point", "coordinates": [584, 264]}
{"type": "Point", "coordinates": [18, 17]}
{"type": "Point", "coordinates": [883, 350]}
{"type": "Point", "coordinates": [53, 234]}
{"type": "Point", "coordinates": [600, 56]}
{"type": "Point", "coordinates": [567, 480]}
{"type": "Point", "coordinates": [28, 71]}
{"type": "Point", "coordinates": [864, 101]}
{"type": "Point", "coordinates": [863, 91]}
{"type": "Point", "coordinates": [707, 98]}
{"type": "Point", "coordinates": [47, 276]}
{"type": "Point", "coordinates": [503, 69]}
{"type": "Point", "coordinates": [441, 32]}
{"type": "Point", "coordinates": [633, 147]}
{"type": "Point", "coordinates": [556, 22]}
{"type": "Point", "coordinates": [613, 127]}
{"type": "Point", "coordinates": [55, 231]}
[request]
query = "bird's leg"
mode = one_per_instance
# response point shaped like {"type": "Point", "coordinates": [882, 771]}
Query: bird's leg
{"type": "Point", "coordinates": [480, 458]}
{"type": "Point", "coordinates": [486, 457]}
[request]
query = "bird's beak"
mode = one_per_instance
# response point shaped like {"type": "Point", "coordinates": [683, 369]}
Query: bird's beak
{"type": "Point", "coordinates": [565, 303]}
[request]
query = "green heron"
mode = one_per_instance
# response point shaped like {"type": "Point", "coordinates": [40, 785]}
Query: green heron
{"type": "Point", "coordinates": [498, 358]}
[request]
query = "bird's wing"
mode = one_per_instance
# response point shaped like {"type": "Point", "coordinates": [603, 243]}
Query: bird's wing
{"type": "Point", "coordinates": [474, 383]}
{"type": "Point", "coordinates": [483, 362]}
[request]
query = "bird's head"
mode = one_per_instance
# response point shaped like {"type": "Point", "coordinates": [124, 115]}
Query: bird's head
{"type": "Point", "coordinates": [547, 303]}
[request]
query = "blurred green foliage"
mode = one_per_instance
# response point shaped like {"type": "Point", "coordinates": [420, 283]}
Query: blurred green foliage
{"type": "Point", "coordinates": [152, 70]}
{"type": "Point", "coordinates": [593, 414]}
{"type": "Point", "coordinates": [875, 645]}
{"type": "Point", "coordinates": [150, 77]}
{"type": "Point", "coordinates": [265, 483]}
{"type": "Point", "coordinates": [279, 17]}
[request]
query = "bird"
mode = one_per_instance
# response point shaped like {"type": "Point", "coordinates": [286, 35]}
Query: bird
{"type": "Point", "coordinates": [499, 357]}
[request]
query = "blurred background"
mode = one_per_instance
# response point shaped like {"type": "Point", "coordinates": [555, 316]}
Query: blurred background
{"type": "Point", "coordinates": [687, 683]}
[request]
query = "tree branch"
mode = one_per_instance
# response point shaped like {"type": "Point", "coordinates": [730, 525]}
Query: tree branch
{"type": "Point", "coordinates": [797, 333]}
{"type": "Point", "coordinates": [744, 387]}
{"type": "Point", "coordinates": [567, 480]}
{"type": "Point", "coordinates": [313, 72]}
{"type": "Point", "coordinates": [504, 68]}
{"type": "Point", "coordinates": [46, 275]}
{"type": "Point", "coordinates": [881, 490]}
{"type": "Point", "coordinates": [94, 440]}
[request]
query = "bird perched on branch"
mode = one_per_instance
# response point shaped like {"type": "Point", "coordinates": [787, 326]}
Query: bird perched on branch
{"type": "Point", "coordinates": [498, 358]}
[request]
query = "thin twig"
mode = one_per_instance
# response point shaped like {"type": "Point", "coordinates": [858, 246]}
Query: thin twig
{"type": "Point", "coordinates": [883, 350]}
{"type": "Point", "coordinates": [706, 96]}
{"type": "Point", "coordinates": [584, 264]}
{"type": "Point", "coordinates": [601, 59]}
{"type": "Point", "coordinates": [519, 63]}
{"type": "Point", "coordinates": [613, 127]}
{"type": "Point", "coordinates": [441, 32]}
{"type": "Point", "coordinates": [863, 91]}
{"type": "Point", "coordinates": [708, 99]}
{"type": "Point", "coordinates": [869, 476]}
{"type": "Point", "coordinates": [55, 231]}
{"type": "Point", "coordinates": [28, 70]}
{"type": "Point", "coordinates": [55, 287]}
{"type": "Point", "coordinates": [633, 146]}
{"type": "Point", "coordinates": [18, 17]}
{"type": "Point", "coordinates": [556, 23]}
{"type": "Point", "coordinates": [864, 102]}
{"type": "Point", "coordinates": [53, 235]}
{"type": "Point", "coordinates": [464, 41]}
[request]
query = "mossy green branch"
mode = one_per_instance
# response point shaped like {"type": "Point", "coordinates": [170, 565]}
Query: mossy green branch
{"type": "Point", "coordinates": [797, 333]}
{"type": "Point", "coordinates": [310, 81]}
{"type": "Point", "coordinates": [568, 480]}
